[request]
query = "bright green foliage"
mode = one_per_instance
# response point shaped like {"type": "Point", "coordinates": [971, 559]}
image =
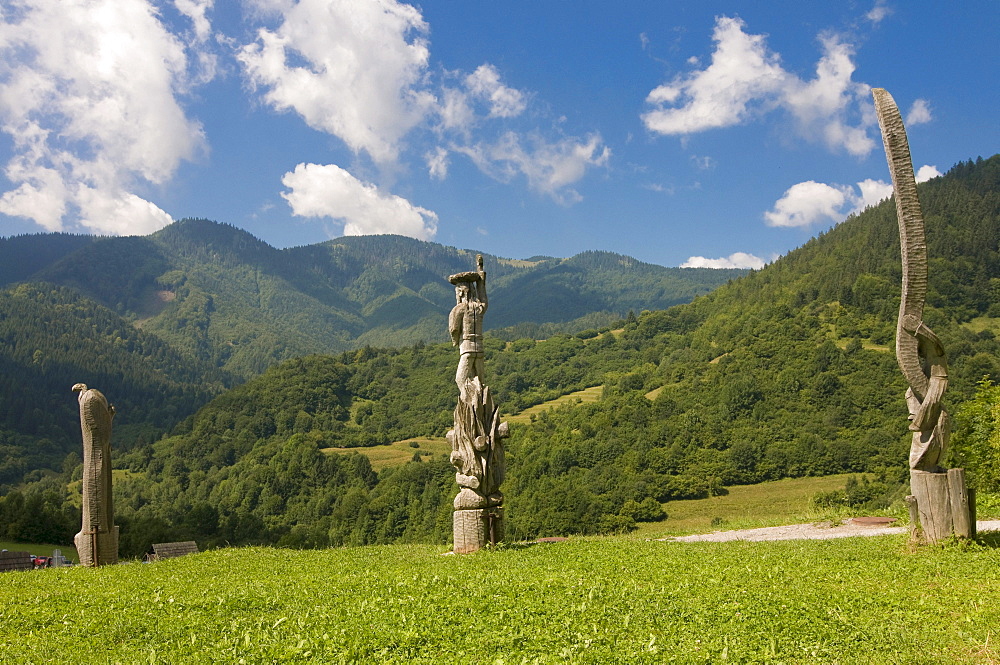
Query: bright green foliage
{"type": "Point", "coordinates": [976, 442]}
{"type": "Point", "coordinates": [854, 600]}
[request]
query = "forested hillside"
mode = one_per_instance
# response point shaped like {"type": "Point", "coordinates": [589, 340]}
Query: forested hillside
{"type": "Point", "coordinates": [164, 322]}
{"type": "Point", "coordinates": [787, 371]}
{"type": "Point", "coordinates": [51, 337]}
{"type": "Point", "coordinates": [222, 297]}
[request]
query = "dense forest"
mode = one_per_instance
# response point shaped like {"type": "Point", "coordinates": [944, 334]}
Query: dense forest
{"type": "Point", "coordinates": [787, 371]}
{"type": "Point", "coordinates": [165, 322]}
{"type": "Point", "coordinates": [220, 296]}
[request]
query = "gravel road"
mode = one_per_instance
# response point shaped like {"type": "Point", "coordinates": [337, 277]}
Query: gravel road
{"type": "Point", "coordinates": [819, 531]}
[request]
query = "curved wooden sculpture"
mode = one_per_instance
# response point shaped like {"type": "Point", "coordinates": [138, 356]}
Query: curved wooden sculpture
{"type": "Point", "coordinates": [477, 450]}
{"type": "Point", "coordinates": [918, 350]}
{"type": "Point", "coordinates": [940, 501]}
{"type": "Point", "coordinates": [97, 542]}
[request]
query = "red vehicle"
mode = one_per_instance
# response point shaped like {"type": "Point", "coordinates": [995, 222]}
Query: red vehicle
{"type": "Point", "coordinates": [41, 561]}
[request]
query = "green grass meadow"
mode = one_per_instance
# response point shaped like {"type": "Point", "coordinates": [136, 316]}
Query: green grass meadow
{"type": "Point", "coordinates": [39, 549]}
{"type": "Point", "coordinates": [773, 503]}
{"type": "Point", "coordinates": [603, 600]}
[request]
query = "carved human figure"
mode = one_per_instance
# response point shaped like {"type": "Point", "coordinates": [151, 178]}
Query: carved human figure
{"type": "Point", "coordinates": [477, 436]}
{"type": "Point", "coordinates": [97, 542]}
{"type": "Point", "coordinates": [465, 324]}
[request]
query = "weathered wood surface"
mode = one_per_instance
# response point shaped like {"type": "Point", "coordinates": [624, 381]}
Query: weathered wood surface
{"type": "Point", "coordinates": [933, 504]}
{"type": "Point", "coordinates": [919, 352]}
{"type": "Point", "coordinates": [470, 530]}
{"type": "Point", "coordinates": [15, 561]}
{"type": "Point", "coordinates": [961, 516]}
{"type": "Point", "coordinates": [912, 243]}
{"type": "Point", "coordinates": [172, 550]}
{"type": "Point", "coordinates": [97, 541]}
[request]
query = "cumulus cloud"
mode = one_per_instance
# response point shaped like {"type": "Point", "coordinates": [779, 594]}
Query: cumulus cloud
{"type": "Point", "coordinates": [742, 71]}
{"type": "Point", "coordinates": [919, 113]}
{"type": "Point", "coordinates": [873, 192]}
{"type": "Point", "coordinates": [360, 71]}
{"type": "Point", "coordinates": [926, 172]}
{"type": "Point", "coordinates": [437, 163]}
{"type": "Point", "coordinates": [505, 102]}
{"type": "Point", "coordinates": [89, 93]}
{"type": "Point", "coordinates": [550, 167]}
{"type": "Point", "coordinates": [735, 260]}
{"type": "Point", "coordinates": [353, 69]}
{"type": "Point", "coordinates": [317, 190]}
{"type": "Point", "coordinates": [809, 203]}
{"type": "Point", "coordinates": [197, 12]}
{"type": "Point", "coordinates": [745, 80]}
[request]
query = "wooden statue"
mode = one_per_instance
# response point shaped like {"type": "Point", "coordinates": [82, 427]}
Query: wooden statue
{"type": "Point", "coordinates": [477, 450]}
{"type": "Point", "coordinates": [97, 542]}
{"type": "Point", "coordinates": [939, 496]}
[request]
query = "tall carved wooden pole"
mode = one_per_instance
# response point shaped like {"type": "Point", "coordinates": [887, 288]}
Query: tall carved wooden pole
{"type": "Point", "coordinates": [940, 496]}
{"type": "Point", "coordinates": [97, 542]}
{"type": "Point", "coordinates": [477, 450]}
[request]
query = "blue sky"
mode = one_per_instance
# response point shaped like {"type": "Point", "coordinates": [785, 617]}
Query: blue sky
{"type": "Point", "coordinates": [678, 132]}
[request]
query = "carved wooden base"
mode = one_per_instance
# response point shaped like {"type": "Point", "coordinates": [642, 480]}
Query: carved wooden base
{"type": "Point", "coordinates": [97, 549]}
{"type": "Point", "coordinates": [474, 529]}
{"type": "Point", "coordinates": [943, 504]}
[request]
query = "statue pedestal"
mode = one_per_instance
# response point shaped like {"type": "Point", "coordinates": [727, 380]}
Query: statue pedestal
{"type": "Point", "coordinates": [943, 505]}
{"type": "Point", "coordinates": [97, 549]}
{"type": "Point", "coordinates": [476, 528]}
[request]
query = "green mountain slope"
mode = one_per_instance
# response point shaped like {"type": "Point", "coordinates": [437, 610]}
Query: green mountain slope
{"type": "Point", "coordinates": [785, 372]}
{"type": "Point", "coordinates": [50, 338]}
{"type": "Point", "coordinates": [220, 296]}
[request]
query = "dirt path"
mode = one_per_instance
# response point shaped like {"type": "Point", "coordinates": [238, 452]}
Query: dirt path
{"type": "Point", "coordinates": [819, 531]}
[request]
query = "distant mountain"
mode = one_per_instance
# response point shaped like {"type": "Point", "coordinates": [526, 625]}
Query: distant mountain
{"type": "Point", "coordinates": [221, 296]}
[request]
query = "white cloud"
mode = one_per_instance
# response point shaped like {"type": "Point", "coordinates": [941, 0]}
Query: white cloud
{"type": "Point", "coordinates": [926, 172]}
{"type": "Point", "coordinates": [878, 12]}
{"type": "Point", "coordinates": [920, 113]}
{"type": "Point", "coordinates": [735, 260]}
{"type": "Point", "coordinates": [549, 167]}
{"type": "Point", "coordinates": [808, 203]}
{"type": "Point", "coordinates": [742, 71]}
{"type": "Point", "coordinates": [353, 69]}
{"type": "Point", "coordinates": [504, 102]}
{"type": "Point", "coordinates": [873, 192]}
{"type": "Point", "coordinates": [329, 191]}
{"type": "Point", "coordinates": [88, 92]}
{"type": "Point", "coordinates": [437, 163]}
{"type": "Point", "coordinates": [455, 110]}
{"type": "Point", "coordinates": [745, 79]}
{"type": "Point", "coordinates": [360, 71]}
{"type": "Point", "coordinates": [820, 106]}
{"type": "Point", "coordinates": [197, 11]}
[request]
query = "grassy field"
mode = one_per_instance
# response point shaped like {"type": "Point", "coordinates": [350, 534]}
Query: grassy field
{"type": "Point", "coordinates": [747, 506]}
{"type": "Point", "coordinates": [40, 550]}
{"type": "Point", "coordinates": [398, 452]}
{"type": "Point", "coordinates": [606, 600]}
{"type": "Point", "coordinates": [401, 452]}
{"type": "Point", "coordinates": [586, 395]}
